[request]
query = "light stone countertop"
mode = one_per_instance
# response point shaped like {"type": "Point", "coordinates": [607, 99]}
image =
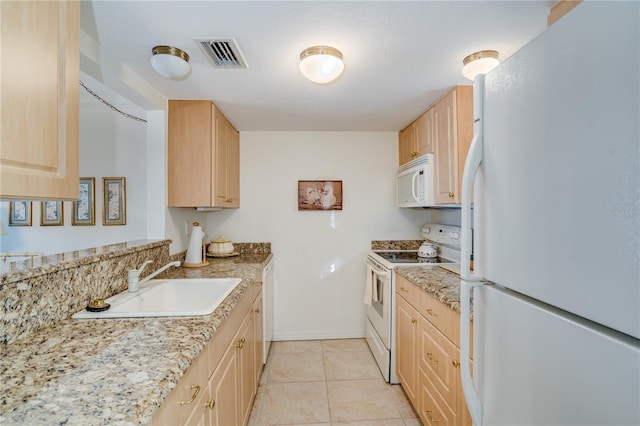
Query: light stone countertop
{"type": "Point", "coordinates": [442, 284]}
{"type": "Point", "coordinates": [112, 371]}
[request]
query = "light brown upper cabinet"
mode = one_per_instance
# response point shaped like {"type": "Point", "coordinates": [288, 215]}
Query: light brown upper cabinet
{"type": "Point", "coordinates": [417, 139]}
{"type": "Point", "coordinates": [40, 58]}
{"type": "Point", "coordinates": [453, 132]}
{"type": "Point", "coordinates": [559, 9]}
{"type": "Point", "coordinates": [204, 156]}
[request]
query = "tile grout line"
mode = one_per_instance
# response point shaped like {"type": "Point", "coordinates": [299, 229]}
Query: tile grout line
{"type": "Point", "coordinates": [326, 382]}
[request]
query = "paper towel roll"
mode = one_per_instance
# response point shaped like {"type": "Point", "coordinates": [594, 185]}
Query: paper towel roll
{"type": "Point", "coordinates": [194, 252]}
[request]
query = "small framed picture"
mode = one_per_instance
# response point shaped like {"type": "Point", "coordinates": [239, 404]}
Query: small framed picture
{"type": "Point", "coordinates": [319, 195]}
{"type": "Point", "coordinates": [84, 208]}
{"type": "Point", "coordinates": [51, 213]}
{"type": "Point", "coordinates": [114, 210]}
{"type": "Point", "coordinates": [20, 213]}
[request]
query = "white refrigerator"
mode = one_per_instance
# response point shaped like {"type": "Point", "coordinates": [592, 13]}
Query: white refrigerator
{"type": "Point", "coordinates": [555, 167]}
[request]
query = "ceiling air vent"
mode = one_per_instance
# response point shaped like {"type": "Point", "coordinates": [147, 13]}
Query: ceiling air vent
{"type": "Point", "coordinates": [223, 52]}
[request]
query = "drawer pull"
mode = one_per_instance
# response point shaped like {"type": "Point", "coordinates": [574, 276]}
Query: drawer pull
{"type": "Point", "coordinates": [455, 363]}
{"type": "Point", "coordinates": [413, 320]}
{"type": "Point", "coordinates": [404, 289]}
{"type": "Point", "coordinates": [211, 404]}
{"type": "Point", "coordinates": [451, 194]}
{"type": "Point", "coordinates": [430, 312]}
{"type": "Point", "coordinates": [430, 356]}
{"type": "Point", "coordinates": [431, 419]}
{"type": "Point", "coordinates": [193, 397]}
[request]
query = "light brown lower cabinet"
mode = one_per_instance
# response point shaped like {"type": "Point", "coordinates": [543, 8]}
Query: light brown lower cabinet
{"type": "Point", "coordinates": [428, 360]}
{"type": "Point", "coordinates": [220, 385]}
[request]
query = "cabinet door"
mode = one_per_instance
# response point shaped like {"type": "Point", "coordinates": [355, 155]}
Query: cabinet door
{"type": "Point", "coordinates": [233, 167]}
{"type": "Point", "coordinates": [220, 158]}
{"type": "Point", "coordinates": [462, 411]}
{"type": "Point", "coordinates": [406, 347]}
{"type": "Point", "coordinates": [223, 405]}
{"type": "Point", "coordinates": [406, 145]}
{"type": "Point", "coordinates": [246, 365]}
{"type": "Point", "coordinates": [189, 153]}
{"type": "Point", "coordinates": [446, 166]}
{"type": "Point", "coordinates": [199, 413]}
{"type": "Point", "coordinates": [424, 137]}
{"type": "Point", "coordinates": [259, 338]}
{"type": "Point", "coordinates": [432, 409]}
{"type": "Point", "coordinates": [437, 356]}
{"type": "Point", "coordinates": [226, 174]}
{"type": "Point", "coordinates": [39, 94]}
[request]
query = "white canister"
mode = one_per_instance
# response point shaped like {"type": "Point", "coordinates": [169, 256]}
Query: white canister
{"type": "Point", "coordinates": [220, 246]}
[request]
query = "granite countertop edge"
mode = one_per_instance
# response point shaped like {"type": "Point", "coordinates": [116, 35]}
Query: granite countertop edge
{"type": "Point", "coordinates": [22, 270]}
{"type": "Point", "coordinates": [116, 371]}
{"type": "Point", "coordinates": [440, 283]}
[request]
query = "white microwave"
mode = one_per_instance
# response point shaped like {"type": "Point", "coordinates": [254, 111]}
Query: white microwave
{"type": "Point", "coordinates": [415, 186]}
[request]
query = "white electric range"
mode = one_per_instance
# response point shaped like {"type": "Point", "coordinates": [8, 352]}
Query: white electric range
{"type": "Point", "coordinates": [380, 289]}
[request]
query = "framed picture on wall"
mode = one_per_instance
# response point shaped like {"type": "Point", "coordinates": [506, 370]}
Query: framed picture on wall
{"type": "Point", "coordinates": [51, 213]}
{"type": "Point", "coordinates": [114, 206]}
{"type": "Point", "coordinates": [320, 195]}
{"type": "Point", "coordinates": [20, 213]}
{"type": "Point", "coordinates": [84, 208]}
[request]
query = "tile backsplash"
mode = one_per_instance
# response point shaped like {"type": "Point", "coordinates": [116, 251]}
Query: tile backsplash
{"type": "Point", "coordinates": [396, 244]}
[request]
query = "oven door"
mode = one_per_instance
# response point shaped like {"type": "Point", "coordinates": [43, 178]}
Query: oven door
{"type": "Point", "coordinates": [379, 311]}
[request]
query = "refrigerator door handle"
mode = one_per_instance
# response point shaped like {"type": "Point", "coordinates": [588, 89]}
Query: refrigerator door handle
{"type": "Point", "coordinates": [470, 394]}
{"type": "Point", "coordinates": [471, 166]}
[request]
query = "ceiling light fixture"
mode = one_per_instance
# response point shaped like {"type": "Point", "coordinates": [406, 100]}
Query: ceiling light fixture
{"type": "Point", "coordinates": [170, 62]}
{"type": "Point", "coordinates": [321, 64]}
{"type": "Point", "coordinates": [479, 63]}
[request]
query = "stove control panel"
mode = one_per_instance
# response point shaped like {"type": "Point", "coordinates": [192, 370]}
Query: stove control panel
{"type": "Point", "coordinates": [443, 234]}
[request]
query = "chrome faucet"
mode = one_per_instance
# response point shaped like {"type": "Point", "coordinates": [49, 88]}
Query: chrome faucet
{"type": "Point", "coordinates": [134, 275]}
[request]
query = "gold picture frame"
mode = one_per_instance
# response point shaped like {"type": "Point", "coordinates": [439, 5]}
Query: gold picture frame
{"type": "Point", "coordinates": [51, 213]}
{"type": "Point", "coordinates": [84, 209]}
{"type": "Point", "coordinates": [114, 211]}
{"type": "Point", "coordinates": [320, 195]}
{"type": "Point", "coordinates": [20, 213]}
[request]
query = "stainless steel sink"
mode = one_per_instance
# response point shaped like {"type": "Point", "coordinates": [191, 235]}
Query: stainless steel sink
{"type": "Point", "coordinates": [168, 298]}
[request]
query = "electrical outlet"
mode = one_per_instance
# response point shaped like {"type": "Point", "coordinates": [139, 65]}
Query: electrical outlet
{"type": "Point", "coordinates": [187, 227]}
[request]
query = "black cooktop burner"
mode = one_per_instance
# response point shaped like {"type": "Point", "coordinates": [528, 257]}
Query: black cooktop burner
{"type": "Point", "coordinates": [408, 257]}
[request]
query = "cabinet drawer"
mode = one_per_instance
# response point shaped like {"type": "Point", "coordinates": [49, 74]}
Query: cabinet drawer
{"type": "Point", "coordinates": [433, 410]}
{"type": "Point", "coordinates": [409, 291]}
{"type": "Point", "coordinates": [182, 400]}
{"type": "Point", "coordinates": [222, 339]}
{"type": "Point", "coordinates": [438, 360]}
{"type": "Point", "coordinates": [444, 318]}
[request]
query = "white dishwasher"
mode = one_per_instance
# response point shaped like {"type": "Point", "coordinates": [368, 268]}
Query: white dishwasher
{"type": "Point", "coordinates": [267, 308]}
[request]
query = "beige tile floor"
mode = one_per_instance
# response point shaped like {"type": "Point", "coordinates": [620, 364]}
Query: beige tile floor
{"type": "Point", "coordinates": [327, 382]}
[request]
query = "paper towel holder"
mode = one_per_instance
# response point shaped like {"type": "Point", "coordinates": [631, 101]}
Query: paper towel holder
{"type": "Point", "coordinates": [195, 243]}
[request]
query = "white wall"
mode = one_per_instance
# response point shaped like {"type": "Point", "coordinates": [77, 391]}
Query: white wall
{"type": "Point", "coordinates": [319, 255]}
{"type": "Point", "coordinates": [110, 146]}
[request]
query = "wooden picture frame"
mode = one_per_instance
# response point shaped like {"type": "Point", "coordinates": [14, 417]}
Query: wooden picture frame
{"type": "Point", "coordinates": [20, 213]}
{"type": "Point", "coordinates": [320, 195]}
{"type": "Point", "coordinates": [114, 210]}
{"type": "Point", "coordinates": [51, 213]}
{"type": "Point", "coordinates": [84, 209]}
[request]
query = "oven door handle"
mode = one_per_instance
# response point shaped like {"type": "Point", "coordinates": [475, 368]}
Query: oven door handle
{"type": "Point", "coordinates": [376, 269]}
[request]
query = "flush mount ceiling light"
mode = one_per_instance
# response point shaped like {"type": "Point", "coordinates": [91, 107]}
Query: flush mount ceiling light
{"type": "Point", "coordinates": [479, 63]}
{"type": "Point", "coordinates": [321, 64]}
{"type": "Point", "coordinates": [170, 62]}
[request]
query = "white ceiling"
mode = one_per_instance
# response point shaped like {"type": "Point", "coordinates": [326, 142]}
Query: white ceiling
{"type": "Point", "coordinates": [400, 56]}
